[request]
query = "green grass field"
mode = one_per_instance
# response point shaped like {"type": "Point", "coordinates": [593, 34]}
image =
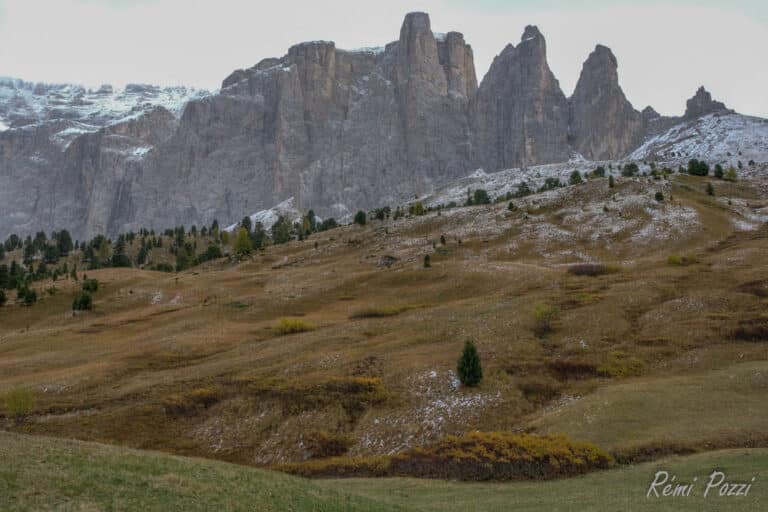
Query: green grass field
{"type": "Point", "coordinates": [621, 489]}
{"type": "Point", "coordinates": [717, 409]}
{"type": "Point", "coordinates": [42, 473]}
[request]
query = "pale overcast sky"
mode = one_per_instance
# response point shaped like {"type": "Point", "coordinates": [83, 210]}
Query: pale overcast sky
{"type": "Point", "coordinates": [666, 49]}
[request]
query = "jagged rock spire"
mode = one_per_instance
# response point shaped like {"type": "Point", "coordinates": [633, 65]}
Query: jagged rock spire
{"type": "Point", "coordinates": [520, 114]}
{"type": "Point", "coordinates": [603, 123]}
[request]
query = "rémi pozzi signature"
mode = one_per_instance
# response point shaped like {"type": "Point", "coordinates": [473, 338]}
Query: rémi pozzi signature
{"type": "Point", "coordinates": [665, 485]}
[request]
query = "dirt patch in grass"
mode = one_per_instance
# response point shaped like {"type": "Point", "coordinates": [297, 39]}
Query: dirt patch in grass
{"type": "Point", "coordinates": [755, 329]}
{"type": "Point", "coordinates": [591, 269]}
{"type": "Point", "coordinates": [566, 369]}
{"type": "Point", "coordinates": [756, 288]}
{"type": "Point", "coordinates": [379, 311]}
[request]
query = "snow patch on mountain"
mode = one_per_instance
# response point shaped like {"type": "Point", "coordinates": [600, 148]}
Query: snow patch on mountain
{"type": "Point", "coordinates": [269, 217]}
{"type": "Point", "coordinates": [507, 181]}
{"type": "Point", "coordinates": [24, 103]}
{"type": "Point", "coordinates": [716, 138]}
{"type": "Point", "coordinates": [65, 137]}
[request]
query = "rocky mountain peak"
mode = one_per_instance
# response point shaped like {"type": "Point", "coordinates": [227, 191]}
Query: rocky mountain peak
{"type": "Point", "coordinates": [649, 113]}
{"type": "Point", "coordinates": [702, 104]}
{"type": "Point", "coordinates": [417, 51]}
{"type": "Point", "coordinates": [531, 32]}
{"type": "Point", "coordinates": [520, 114]}
{"type": "Point", "coordinates": [603, 123]}
{"type": "Point", "coordinates": [602, 63]}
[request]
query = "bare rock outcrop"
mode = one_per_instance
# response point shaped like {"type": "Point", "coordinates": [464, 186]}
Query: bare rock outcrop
{"type": "Point", "coordinates": [702, 104]}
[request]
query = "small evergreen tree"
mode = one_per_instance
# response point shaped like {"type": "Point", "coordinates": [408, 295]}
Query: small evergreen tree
{"type": "Point", "coordinates": [2, 298]}
{"type": "Point", "coordinates": [26, 296]}
{"type": "Point", "coordinates": [630, 169]}
{"type": "Point", "coordinates": [523, 190]}
{"type": "Point", "coordinates": [82, 302]}
{"type": "Point", "coordinates": [698, 167]}
{"type": "Point", "coordinates": [469, 368]}
{"type": "Point", "coordinates": [90, 285]}
{"type": "Point", "coordinates": [361, 218]}
{"type": "Point", "coordinates": [719, 171]}
{"type": "Point", "coordinates": [242, 246]}
{"type": "Point", "coordinates": [659, 196]}
{"type": "Point", "coordinates": [710, 189]}
{"type": "Point", "coordinates": [64, 242]}
{"type": "Point", "coordinates": [141, 258]}
{"type": "Point", "coordinates": [550, 184]}
{"type": "Point", "coordinates": [427, 261]}
{"type": "Point", "coordinates": [480, 197]}
{"type": "Point", "coordinates": [442, 239]}
{"type": "Point", "coordinates": [611, 182]}
{"type": "Point", "coordinates": [417, 209]}
{"type": "Point", "coordinates": [575, 178]}
{"type": "Point", "coordinates": [246, 223]}
{"type": "Point", "coordinates": [185, 257]}
{"type": "Point", "coordinates": [282, 230]}
{"type": "Point", "coordinates": [329, 224]}
{"type": "Point", "coordinates": [119, 258]}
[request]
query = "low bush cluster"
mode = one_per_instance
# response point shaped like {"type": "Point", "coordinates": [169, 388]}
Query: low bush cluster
{"type": "Point", "coordinates": [478, 456]}
{"type": "Point", "coordinates": [327, 444]}
{"type": "Point", "coordinates": [354, 394]}
{"type": "Point", "coordinates": [292, 326]}
{"type": "Point", "coordinates": [681, 261]}
{"type": "Point", "coordinates": [18, 404]}
{"type": "Point", "coordinates": [188, 404]}
{"type": "Point", "coordinates": [619, 364]}
{"type": "Point", "coordinates": [543, 319]}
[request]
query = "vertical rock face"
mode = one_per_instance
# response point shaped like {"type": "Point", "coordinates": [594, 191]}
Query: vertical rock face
{"type": "Point", "coordinates": [102, 167]}
{"type": "Point", "coordinates": [702, 104]}
{"type": "Point", "coordinates": [519, 114]}
{"type": "Point", "coordinates": [432, 98]}
{"type": "Point", "coordinates": [603, 124]}
{"type": "Point", "coordinates": [50, 181]}
{"type": "Point", "coordinates": [457, 59]}
{"type": "Point", "coordinates": [336, 129]}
